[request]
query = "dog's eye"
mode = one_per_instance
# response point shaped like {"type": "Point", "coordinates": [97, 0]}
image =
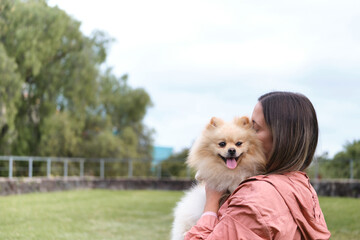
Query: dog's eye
{"type": "Point", "coordinates": [238, 144]}
{"type": "Point", "coordinates": [222, 144]}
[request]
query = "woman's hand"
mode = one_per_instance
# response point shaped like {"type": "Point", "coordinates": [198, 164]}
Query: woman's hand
{"type": "Point", "coordinates": [212, 200]}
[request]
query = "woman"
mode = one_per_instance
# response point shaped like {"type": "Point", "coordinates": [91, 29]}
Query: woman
{"type": "Point", "coordinates": [281, 204]}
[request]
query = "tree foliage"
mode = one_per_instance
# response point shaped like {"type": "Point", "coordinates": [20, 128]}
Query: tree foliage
{"type": "Point", "coordinates": [10, 84]}
{"type": "Point", "coordinates": [351, 151]}
{"type": "Point", "coordinates": [174, 165]}
{"type": "Point", "coordinates": [348, 159]}
{"type": "Point", "coordinates": [344, 164]}
{"type": "Point", "coordinates": [54, 99]}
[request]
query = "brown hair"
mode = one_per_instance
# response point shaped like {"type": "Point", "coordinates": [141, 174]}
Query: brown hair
{"type": "Point", "coordinates": [292, 121]}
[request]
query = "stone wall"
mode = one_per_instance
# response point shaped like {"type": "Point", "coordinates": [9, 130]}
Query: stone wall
{"type": "Point", "coordinates": [337, 188]}
{"type": "Point", "coordinates": [343, 188]}
{"type": "Point", "coordinates": [29, 185]}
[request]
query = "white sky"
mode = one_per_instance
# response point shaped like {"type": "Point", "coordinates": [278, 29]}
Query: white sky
{"type": "Point", "coordinates": [204, 58]}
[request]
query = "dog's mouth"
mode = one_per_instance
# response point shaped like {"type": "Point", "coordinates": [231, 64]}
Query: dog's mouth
{"type": "Point", "coordinates": [231, 162]}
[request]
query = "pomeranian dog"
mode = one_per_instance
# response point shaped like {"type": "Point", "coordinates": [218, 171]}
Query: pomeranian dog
{"type": "Point", "coordinates": [224, 155]}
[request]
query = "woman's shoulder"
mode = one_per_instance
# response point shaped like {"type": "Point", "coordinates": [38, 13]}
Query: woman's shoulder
{"type": "Point", "coordinates": [264, 187]}
{"type": "Point", "coordinates": [254, 190]}
{"type": "Point", "coordinates": [284, 179]}
{"type": "Point", "coordinates": [260, 197]}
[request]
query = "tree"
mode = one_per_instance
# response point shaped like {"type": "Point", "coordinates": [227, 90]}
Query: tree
{"type": "Point", "coordinates": [339, 166]}
{"type": "Point", "coordinates": [342, 160]}
{"type": "Point", "coordinates": [57, 101]}
{"type": "Point", "coordinates": [9, 96]}
{"type": "Point", "coordinates": [351, 151]}
{"type": "Point", "coordinates": [59, 136]}
{"type": "Point", "coordinates": [58, 66]}
{"type": "Point", "coordinates": [174, 165]}
{"type": "Point", "coordinates": [126, 107]}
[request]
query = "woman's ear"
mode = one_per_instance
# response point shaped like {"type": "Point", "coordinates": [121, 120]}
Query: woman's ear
{"type": "Point", "coordinates": [242, 122]}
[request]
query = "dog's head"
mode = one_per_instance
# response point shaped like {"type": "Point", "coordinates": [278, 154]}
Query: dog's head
{"type": "Point", "coordinates": [222, 143]}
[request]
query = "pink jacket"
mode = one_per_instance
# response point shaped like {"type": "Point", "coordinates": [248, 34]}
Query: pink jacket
{"type": "Point", "coordinates": [278, 206]}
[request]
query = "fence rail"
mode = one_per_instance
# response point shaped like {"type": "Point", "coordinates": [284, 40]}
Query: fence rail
{"type": "Point", "coordinates": [50, 161]}
{"type": "Point", "coordinates": [334, 169]}
{"type": "Point", "coordinates": [26, 166]}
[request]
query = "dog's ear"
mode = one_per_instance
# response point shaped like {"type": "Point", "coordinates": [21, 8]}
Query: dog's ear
{"type": "Point", "coordinates": [242, 122]}
{"type": "Point", "coordinates": [215, 122]}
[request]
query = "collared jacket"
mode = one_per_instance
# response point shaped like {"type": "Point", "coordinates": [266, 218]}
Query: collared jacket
{"type": "Point", "coordinates": [275, 206]}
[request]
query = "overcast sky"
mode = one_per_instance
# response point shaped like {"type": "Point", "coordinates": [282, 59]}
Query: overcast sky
{"type": "Point", "coordinates": [203, 58]}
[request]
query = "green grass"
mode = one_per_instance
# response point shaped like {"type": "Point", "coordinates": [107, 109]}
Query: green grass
{"type": "Point", "coordinates": [342, 217]}
{"type": "Point", "coordinates": [88, 214]}
{"type": "Point", "coordinates": [106, 214]}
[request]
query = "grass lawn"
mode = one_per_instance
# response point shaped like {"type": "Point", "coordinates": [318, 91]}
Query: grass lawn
{"type": "Point", "coordinates": [105, 214]}
{"type": "Point", "coordinates": [342, 217]}
{"type": "Point", "coordinates": [88, 214]}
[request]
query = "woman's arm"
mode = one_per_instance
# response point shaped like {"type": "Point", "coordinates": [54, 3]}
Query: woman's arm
{"type": "Point", "coordinates": [212, 200]}
{"type": "Point", "coordinates": [240, 220]}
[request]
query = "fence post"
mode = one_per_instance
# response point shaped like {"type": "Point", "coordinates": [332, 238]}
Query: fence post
{"type": "Point", "coordinates": [159, 170]}
{"type": "Point", "coordinates": [102, 168]}
{"type": "Point", "coordinates": [351, 169]}
{"type": "Point", "coordinates": [65, 168]}
{"type": "Point", "coordinates": [10, 167]}
{"type": "Point", "coordinates": [81, 168]}
{"type": "Point", "coordinates": [316, 168]}
{"type": "Point", "coordinates": [30, 167]}
{"type": "Point", "coordinates": [48, 168]}
{"type": "Point", "coordinates": [130, 169]}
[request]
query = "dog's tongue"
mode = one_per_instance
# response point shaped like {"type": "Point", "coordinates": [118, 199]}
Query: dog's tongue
{"type": "Point", "coordinates": [231, 163]}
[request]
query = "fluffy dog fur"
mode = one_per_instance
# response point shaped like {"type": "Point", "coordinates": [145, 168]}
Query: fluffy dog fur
{"type": "Point", "coordinates": [223, 156]}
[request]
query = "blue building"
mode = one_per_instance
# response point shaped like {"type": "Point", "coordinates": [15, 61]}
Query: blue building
{"type": "Point", "coordinates": [161, 153]}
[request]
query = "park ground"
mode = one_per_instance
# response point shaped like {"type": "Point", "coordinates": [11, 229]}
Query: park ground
{"type": "Point", "coordinates": [128, 215]}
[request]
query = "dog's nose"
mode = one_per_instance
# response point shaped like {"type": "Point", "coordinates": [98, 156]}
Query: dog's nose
{"type": "Point", "coordinates": [232, 151]}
